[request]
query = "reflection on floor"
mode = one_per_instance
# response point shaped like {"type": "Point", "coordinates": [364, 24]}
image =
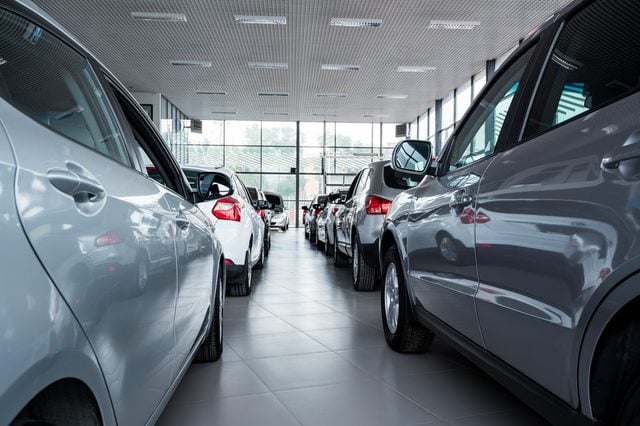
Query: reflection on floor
{"type": "Point", "coordinates": [305, 348]}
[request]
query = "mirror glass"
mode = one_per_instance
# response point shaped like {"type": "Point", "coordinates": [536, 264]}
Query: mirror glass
{"type": "Point", "coordinates": [212, 186]}
{"type": "Point", "coordinates": [412, 156]}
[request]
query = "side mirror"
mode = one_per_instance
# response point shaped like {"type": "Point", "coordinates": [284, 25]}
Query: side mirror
{"type": "Point", "coordinates": [262, 205]}
{"type": "Point", "coordinates": [316, 206]}
{"type": "Point", "coordinates": [412, 156]}
{"type": "Point", "coordinates": [305, 208]}
{"type": "Point", "coordinates": [209, 189]}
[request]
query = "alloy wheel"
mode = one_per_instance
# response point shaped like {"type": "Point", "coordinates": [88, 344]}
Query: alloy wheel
{"type": "Point", "coordinates": [391, 298]}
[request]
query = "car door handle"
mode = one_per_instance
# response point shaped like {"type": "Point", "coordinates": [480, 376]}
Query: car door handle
{"type": "Point", "coordinates": [460, 199]}
{"type": "Point", "coordinates": [630, 150]}
{"type": "Point", "coordinates": [76, 182]}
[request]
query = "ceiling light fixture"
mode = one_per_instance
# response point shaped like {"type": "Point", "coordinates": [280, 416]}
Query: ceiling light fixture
{"type": "Point", "coordinates": [181, 63]}
{"type": "Point", "coordinates": [354, 22]}
{"type": "Point", "coordinates": [210, 92]}
{"type": "Point", "coordinates": [339, 67]}
{"type": "Point", "coordinates": [453, 25]}
{"type": "Point", "coordinates": [282, 94]}
{"type": "Point", "coordinates": [317, 114]}
{"type": "Point", "coordinates": [268, 65]}
{"type": "Point", "coordinates": [375, 115]}
{"type": "Point", "coordinates": [331, 95]}
{"type": "Point", "coordinates": [263, 20]}
{"type": "Point", "coordinates": [224, 112]}
{"type": "Point", "coordinates": [404, 68]}
{"type": "Point", "coordinates": [162, 17]}
{"type": "Point", "coordinates": [392, 96]}
{"type": "Point", "coordinates": [276, 113]}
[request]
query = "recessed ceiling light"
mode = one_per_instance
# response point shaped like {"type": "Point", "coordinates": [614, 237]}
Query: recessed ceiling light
{"type": "Point", "coordinates": [163, 17]}
{"type": "Point", "coordinates": [317, 114]}
{"type": "Point", "coordinates": [268, 65]}
{"type": "Point", "coordinates": [265, 20]}
{"type": "Point", "coordinates": [453, 25]}
{"type": "Point", "coordinates": [375, 115]}
{"type": "Point", "coordinates": [181, 63]}
{"type": "Point", "coordinates": [404, 68]}
{"type": "Point", "coordinates": [224, 112]}
{"type": "Point", "coordinates": [283, 94]}
{"type": "Point", "coordinates": [210, 92]}
{"type": "Point", "coordinates": [276, 113]}
{"type": "Point", "coordinates": [339, 67]}
{"type": "Point", "coordinates": [354, 22]}
{"type": "Point", "coordinates": [392, 96]}
{"type": "Point", "coordinates": [331, 95]}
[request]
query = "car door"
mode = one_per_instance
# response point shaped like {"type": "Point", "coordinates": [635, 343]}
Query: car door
{"type": "Point", "coordinates": [439, 232]}
{"type": "Point", "coordinates": [343, 221]}
{"type": "Point", "coordinates": [92, 219]}
{"type": "Point", "coordinates": [562, 204]}
{"type": "Point", "coordinates": [254, 222]}
{"type": "Point", "coordinates": [191, 235]}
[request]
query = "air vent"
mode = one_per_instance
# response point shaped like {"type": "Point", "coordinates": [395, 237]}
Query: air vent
{"type": "Point", "coordinates": [281, 94]}
{"type": "Point", "coordinates": [263, 20]}
{"type": "Point", "coordinates": [354, 22]}
{"type": "Point", "coordinates": [331, 95]}
{"type": "Point", "coordinates": [339, 67]}
{"type": "Point", "coordinates": [392, 96]}
{"type": "Point", "coordinates": [404, 68]}
{"type": "Point", "coordinates": [162, 17]}
{"type": "Point", "coordinates": [268, 65]}
{"type": "Point", "coordinates": [210, 92]}
{"type": "Point", "coordinates": [453, 25]}
{"type": "Point", "coordinates": [181, 63]}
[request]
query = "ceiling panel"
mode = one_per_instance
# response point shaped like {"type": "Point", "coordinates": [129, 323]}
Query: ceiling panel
{"type": "Point", "coordinates": [139, 52]}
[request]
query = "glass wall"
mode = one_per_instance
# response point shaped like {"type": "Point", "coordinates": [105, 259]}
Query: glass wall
{"type": "Point", "coordinates": [174, 129]}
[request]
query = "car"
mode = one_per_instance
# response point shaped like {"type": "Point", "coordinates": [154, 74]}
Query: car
{"type": "Point", "coordinates": [280, 215]}
{"type": "Point", "coordinates": [326, 220]}
{"type": "Point", "coordinates": [311, 213]}
{"type": "Point", "coordinates": [227, 204]}
{"type": "Point", "coordinates": [113, 281]}
{"type": "Point", "coordinates": [537, 190]}
{"type": "Point", "coordinates": [263, 208]}
{"type": "Point", "coordinates": [359, 222]}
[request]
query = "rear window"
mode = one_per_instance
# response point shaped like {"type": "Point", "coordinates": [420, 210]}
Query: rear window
{"type": "Point", "coordinates": [253, 193]}
{"type": "Point", "coordinates": [398, 180]}
{"type": "Point", "coordinates": [274, 199]}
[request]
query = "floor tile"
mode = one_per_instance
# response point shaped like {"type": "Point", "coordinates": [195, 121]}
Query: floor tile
{"type": "Point", "coordinates": [273, 345]}
{"type": "Point", "coordinates": [360, 336]}
{"type": "Point", "coordinates": [324, 321]}
{"type": "Point", "coordinates": [503, 418]}
{"type": "Point", "coordinates": [298, 308]}
{"type": "Point", "coordinates": [254, 326]}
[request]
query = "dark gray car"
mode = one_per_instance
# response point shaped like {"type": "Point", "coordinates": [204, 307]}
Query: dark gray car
{"type": "Point", "coordinates": [521, 244]}
{"type": "Point", "coordinates": [358, 225]}
{"type": "Point", "coordinates": [112, 280]}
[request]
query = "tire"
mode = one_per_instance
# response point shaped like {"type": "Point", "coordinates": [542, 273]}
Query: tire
{"type": "Point", "coordinates": [260, 263]}
{"type": "Point", "coordinates": [284, 228]}
{"type": "Point", "coordinates": [401, 331]}
{"type": "Point", "coordinates": [211, 348]}
{"type": "Point", "coordinates": [363, 275]}
{"type": "Point", "coordinates": [243, 286]}
{"type": "Point", "coordinates": [629, 414]}
{"type": "Point", "coordinates": [328, 248]}
{"type": "Point", "coordinates": [339, 259]}
{"type": "Point", "coordinates": [267, 246]}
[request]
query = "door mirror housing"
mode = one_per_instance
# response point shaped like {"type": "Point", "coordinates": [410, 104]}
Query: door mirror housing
{"type": "Point", "coordinates": [211, 187]}
{"type": "Point", "coordinates": [262, 205]}
{"type": "Point", "coordinates": [412, 156]}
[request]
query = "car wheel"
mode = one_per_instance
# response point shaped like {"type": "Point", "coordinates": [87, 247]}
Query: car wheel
{"type": "Point", "coordinates": [267, 246]}
{"type": "Point", "coordinates": [363, 275]}
{"type": "Point", "coordinates": [450, 249]}
{"type": "Point", "coordinates": [328, 248]}
{"type": "Point", "coordinates": [339, 259]}
{"type": "Point", "coordinates": [260, 263]}
{"type": "Point", "coordinates": [243, 287]}
{"type": "Point", "coordinates": [211, 348]}
{"type": "Point", "coordinates": [401, 331]}
{"type": "Point", "coordinates": [284, 228]}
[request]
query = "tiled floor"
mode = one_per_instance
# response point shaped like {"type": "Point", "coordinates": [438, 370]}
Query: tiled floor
{"type": "Point", "coordinates": [305, 348]}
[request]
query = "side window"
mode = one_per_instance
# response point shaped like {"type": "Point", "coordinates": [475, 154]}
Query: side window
{"type": "Point", "coordinates": [56, 86]}
{"type": "Point", "coordinates": [591, 64]}
{"type": "Point", "coordinates": [352, 188]}
{"type": "Point", "coordinates": [241, 190]}
{"type": "Point", "coordinates": [477, 138]}
{"type": "Point", "coordinates": [363, 184]}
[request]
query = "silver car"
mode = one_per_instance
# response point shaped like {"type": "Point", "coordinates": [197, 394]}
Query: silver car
{"type": "Point", "coordinates": [358, 224]}
{"type": "Point", "coordinates": [521, 244]}
{"type": "Point", "coordinates": [326, 220]}
{"type": "Point", "coordinates": [112, 281]}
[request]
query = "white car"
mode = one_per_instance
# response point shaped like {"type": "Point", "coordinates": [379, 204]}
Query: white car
{"type": "Point", "coordinates": [227, 204]}
{"type": "Point", "coordinates": [280, 216]}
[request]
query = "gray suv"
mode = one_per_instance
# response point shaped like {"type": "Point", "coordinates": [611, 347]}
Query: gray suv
{"type": "Point", "coordinates": [521, 244]}
{"type": "Point", "coordinates": [357, 225]}
{"type": "Point", "coordinates": [112, 280]}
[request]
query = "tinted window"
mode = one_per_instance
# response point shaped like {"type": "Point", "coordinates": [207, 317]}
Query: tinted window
{"type": "Point", "coordinates": [55, 85]}
{"type": "Point", "coordinates": [253, 193]}
{"type": "Point", "coordinates": [399, 180]}
{"type": "Point", "coordinates": [594, 61]}
{"type": "Point", "coordinates": [274, 199]}
{"type": "Point", "coordinates": [478, 137]}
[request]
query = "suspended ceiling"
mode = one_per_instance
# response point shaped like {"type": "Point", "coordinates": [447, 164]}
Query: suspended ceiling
{"type": "Point", "coordinates": [139, 52]}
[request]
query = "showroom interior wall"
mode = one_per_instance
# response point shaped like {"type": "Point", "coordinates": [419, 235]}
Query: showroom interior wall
{"type": "Point", "coordinates": [268, 156]}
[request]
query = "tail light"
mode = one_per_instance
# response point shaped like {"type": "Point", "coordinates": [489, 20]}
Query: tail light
{"type": "Point", "coordinates": [110, 238]}
{"type": "Point", "coordinates": [228, 262]}
{"type": "Point", "coordinates": [260, 213]}
{"type": "Point", "coordinates": [316, 212]}
{"type": "Point", "coordinates": [376, 205]}
{"type": "Point", "coordinates": [469, 217]}
{"type": "Point", "coordinates": [227, 208]}
{"type": "Point", "coordinates": [334, 211]}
